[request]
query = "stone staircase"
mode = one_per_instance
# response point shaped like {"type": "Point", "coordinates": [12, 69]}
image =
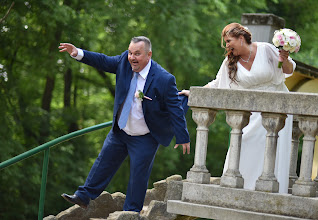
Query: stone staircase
{"type": "Point", "coordinates": [156, 206]}
{"type": "Point", "coordinates": [109, 206]}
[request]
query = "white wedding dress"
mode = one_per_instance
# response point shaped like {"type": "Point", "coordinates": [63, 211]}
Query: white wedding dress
{"type": "Point", "coordinates": [264, 75]}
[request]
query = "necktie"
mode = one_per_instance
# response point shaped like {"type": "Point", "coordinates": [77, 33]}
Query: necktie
{"type": "Point", "coordinates": [128, 102]}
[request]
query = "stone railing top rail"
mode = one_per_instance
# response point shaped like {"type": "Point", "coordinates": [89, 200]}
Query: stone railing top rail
{"type": "Point", "coordinates": [254, 101]}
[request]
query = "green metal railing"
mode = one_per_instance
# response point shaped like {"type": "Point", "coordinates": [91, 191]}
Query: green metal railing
{"type": "Point", "coordinates": [46, 148]}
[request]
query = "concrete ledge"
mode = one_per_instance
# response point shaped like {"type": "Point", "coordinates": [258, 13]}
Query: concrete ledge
{"type": "Point", "coordinates": [249, 200]}
{"type": "Point", "coordinates": [262, 19]}
{"type": "Point", "coordinates": [214, 212]}
{"type": "Point", "coordinates": [254, 101]}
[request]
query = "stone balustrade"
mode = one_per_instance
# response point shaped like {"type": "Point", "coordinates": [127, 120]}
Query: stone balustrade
{"type": "Point", "coordinates": [202, 198]}
{"type": "Point", "coordinates": [274, 107]}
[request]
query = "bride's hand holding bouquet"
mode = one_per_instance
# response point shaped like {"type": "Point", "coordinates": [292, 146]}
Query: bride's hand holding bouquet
{"type": "Point", "coordinates": [287, 40]}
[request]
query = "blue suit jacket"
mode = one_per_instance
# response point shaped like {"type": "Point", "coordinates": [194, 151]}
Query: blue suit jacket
{"type": "Point", "coordinates": [164, 114]}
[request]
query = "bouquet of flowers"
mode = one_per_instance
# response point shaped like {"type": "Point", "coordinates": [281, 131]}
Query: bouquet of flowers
{"type": "Point", "coordinates": [287, 40]}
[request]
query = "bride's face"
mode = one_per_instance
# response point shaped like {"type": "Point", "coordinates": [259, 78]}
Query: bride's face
{"type": "Point", "coordinates": [233, 44]}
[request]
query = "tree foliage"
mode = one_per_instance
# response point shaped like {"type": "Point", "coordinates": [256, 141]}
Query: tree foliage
{"type": "Point", "coordinates": [46, 94]}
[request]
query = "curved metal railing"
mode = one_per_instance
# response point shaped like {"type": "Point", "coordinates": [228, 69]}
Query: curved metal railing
{"type": "Point", "coordinates": [46, 148]}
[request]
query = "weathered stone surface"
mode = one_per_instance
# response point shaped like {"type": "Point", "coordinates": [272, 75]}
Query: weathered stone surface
{"type": "Point", "coordinates": [124, 215]}
{"type": "Point", "coordinates": [304, 190]}
{"type": "Point", "coordinates": [110, 206]}
{"type": "Point", "coordinates": [50, 217]}
{"type": "Point", "coordinates": [157, 193]}
{"type": "Point", "coordinates": [203, 118]}
{"type": "Point", "coordinates": [262, 19]}
{"type": "Point", "coordinates": [237, 121]}
{"type": "Point", "coordinates": [101, 207]}
{"type": "Point", "coordinates": [293, 176]}
{"type": "Point", "coordinates": [174, 191]}
{"type": "Point", "coordinates": [211, 198]}
{"type": "Point", "coordinates": [254, 100]}
{"type": "Point", "coordinates": [198, 177]}
{"type": "Point", "coordinates": [262, 26]}
{"type": "Point", "coordinates": [75, 213]}
{"type": "Point", "coordinates": [160, 189]}
{"type": "Point", "coordinates": [174, 178]}
{"type": "Point", "coordinates": [119, 199]}
{"type": "Point", "coordinates": [304, 186]}
{"type": "Point", "coordinates": [158, 210]}
{"type": "Point", "coordinates": [215, 212]}
{"type": "Point", "coordinates": [249, 200]}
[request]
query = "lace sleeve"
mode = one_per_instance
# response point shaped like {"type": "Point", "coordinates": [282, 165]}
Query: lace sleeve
{"type": "Point", "coordinates": [214, 83]}
{"type": "Point", "coordinates": [222, 79]}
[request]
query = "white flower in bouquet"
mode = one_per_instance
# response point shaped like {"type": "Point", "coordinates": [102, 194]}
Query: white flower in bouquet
{"type": "Point", "coordinates": [287, 40]}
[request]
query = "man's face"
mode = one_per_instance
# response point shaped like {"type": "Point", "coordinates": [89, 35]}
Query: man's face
{"type": "Point", "coordinates": [137, 56]}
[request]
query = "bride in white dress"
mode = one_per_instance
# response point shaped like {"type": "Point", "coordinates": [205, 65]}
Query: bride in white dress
{"type": "Point", "coordinates": [254, 66]}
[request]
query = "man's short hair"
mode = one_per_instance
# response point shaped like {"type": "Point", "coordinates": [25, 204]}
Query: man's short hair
{"type": "Point", "coordinates": [145, 40]}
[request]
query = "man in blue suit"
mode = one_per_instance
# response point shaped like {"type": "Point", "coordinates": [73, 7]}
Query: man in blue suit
{"type": "Point", "coordinates": [141, 120]}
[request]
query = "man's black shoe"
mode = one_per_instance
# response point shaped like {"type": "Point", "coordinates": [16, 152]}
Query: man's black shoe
{"type": "Point", "coordinates": [75, 200]}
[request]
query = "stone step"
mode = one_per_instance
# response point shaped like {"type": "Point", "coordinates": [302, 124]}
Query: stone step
{"type": "Point", "coordinates": [124, 215]}
{"type": "Point", "coordinates": [248, 200]}
{"type": "Point", "coordinates": [108, 206]}
{"type": "Point", "coordinates": [214, 212]}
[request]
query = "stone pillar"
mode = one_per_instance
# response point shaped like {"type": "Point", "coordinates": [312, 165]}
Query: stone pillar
{"type": "Point", "coordinates": [203, 118]}
{"type": "Point", "coordinates": [237, 120]}
{"type": "Point", "coordinates": [294, 153]}
{"type": "Point", "coordinates": [273, 123]}
{"type": "Point", "coordinates": [262, 26]}
{"type": "Point", "coordinates": [316, 181]}
{"type": "Point", "coordinates": [304, 186]}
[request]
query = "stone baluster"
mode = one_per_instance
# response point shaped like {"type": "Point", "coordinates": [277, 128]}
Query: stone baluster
{"type": "Point", "coordinates": [273, 123]}
{"type": "Point", "coordinates": [237, 120]}
{"type": "Point", "coordinates": [203, 118]}
{"type": "Point", "coordinates": [316, 181]}
{"type": "Point", "coordinates": [294, 153]}
{"type": "Point", "coordinates": [304, 186]}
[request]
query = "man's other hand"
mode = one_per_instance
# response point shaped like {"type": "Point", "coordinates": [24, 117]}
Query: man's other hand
{"type": "Point", "coordinates": [186, 147]}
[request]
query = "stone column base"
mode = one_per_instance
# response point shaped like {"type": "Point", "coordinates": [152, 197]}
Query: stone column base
{"type": "Point", "coordinates": [304, 190]}
{"type": "Point", "coordinates": [198, 177]}
{"type": "Point", "coordinates": [232, 181]}
{"type": "Point", "coordinates": [267, 186]}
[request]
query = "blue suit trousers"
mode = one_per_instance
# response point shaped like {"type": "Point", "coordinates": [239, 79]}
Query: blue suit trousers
{"type": "Point", "coordinates": [117, 146]}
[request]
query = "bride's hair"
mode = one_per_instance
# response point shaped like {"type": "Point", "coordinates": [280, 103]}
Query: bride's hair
{"type": "Point", "coordinates": [234, 30]}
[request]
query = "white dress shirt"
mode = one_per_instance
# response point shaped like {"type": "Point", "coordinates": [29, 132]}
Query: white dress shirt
{"type": "Point", "coordinates": [136, 124]}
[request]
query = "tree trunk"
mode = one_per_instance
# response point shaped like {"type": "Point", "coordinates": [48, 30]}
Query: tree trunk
{"type": "Point", "coordinates": [48, 92]}
{"type": "Point", "coordinates": [67, 88]}
{"type": "Point", "coordinates": [107, 81]}
{"type": "Point", "coordinates": [72, 124]}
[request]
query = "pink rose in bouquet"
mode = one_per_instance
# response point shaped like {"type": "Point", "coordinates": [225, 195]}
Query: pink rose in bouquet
{"type": "Point", "coordinates": [287, 40]}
